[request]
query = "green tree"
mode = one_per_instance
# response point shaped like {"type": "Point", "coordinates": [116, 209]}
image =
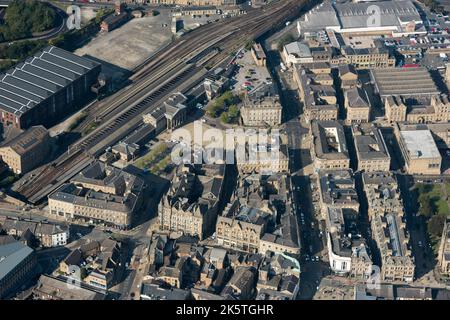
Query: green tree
{"type": "Point", "coordinates": [436, 225]}
{"type": "Point", "coordinates": [225, 118]}
{"type": "Point", "coordinates": [221, 103]}
{"type": "Point", "coordinates": [23, 17]}
{"type": "Point", "coordinates": [215, 110]}
{"type": "Point", "coordinates": [233, 111]}
{"type": "Point", "coordinates": [426, 208]}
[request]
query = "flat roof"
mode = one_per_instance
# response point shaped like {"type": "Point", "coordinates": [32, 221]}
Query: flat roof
{"type": "Point", "coordinates": [420, 144]}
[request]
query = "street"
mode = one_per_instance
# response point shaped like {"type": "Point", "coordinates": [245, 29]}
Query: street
{"type": "Point", "coordinates": [314, 268]}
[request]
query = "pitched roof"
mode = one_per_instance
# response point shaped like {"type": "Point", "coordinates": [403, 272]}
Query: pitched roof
{"type": "Point", "coordinates": [27, 140]}
{"type": "Point", "coordinates": [357, 98]}
{"type": "Point", "coordinates": [11, 255]}
{"type": "Point", "coordinates": [39, 77]}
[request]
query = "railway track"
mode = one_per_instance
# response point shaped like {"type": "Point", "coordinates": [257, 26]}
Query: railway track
{"type": "Point", "coordinates": [153, 75]}
{"type": "Point", "coordinates": [135, 110]}
{"type": "Point", "coordinates": [175, 52]}
{"type": "Point", "coordinates": [166, 71]}
{"type": "Point", "coordinates": [50, 173]}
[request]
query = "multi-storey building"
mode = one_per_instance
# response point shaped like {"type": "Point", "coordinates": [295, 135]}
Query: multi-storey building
{"type": "Point", "coordinates": [45, 88]}
{"type": "Point", "coordinates": [348, 76]}
{"type": "Point", "coordinates": [17, 265]}
{"type": "Point", "coordinates": [279, 277]}
{"type": "Point", "coordinates": [241, 284]}
{"type": "Point", "coordinates": [337, 191]}
{"type": "Point", "coordinates": [50, 288]}
{"type": "Point", "coordinates": [191, 204]}
{"type": "Point", "coordinates": [418, 109]}
{"type": "Point", "coordinates": [371, 149]}
{"type": "Point", "coordinates": [329, 147]}
{"type": "Point", "coordinates": [317, 93]}
{"type": "Point", "coordinates": [357, 105]}
{"type": "Point", "coordinates": [100, 194]}
{"type": "Point", "coordinates": [261, 105]}
{"type": "Point", "coordinates": [48, 234]}
{"type": "Point", "coordinates": [259, 55]}
{"type": "Point", "coordinates": [365, 58]}
{"type": "Point", "coordinates": [347, 251]}
{"type": "Point", "coordinates": [296, 52]}
{"type": "Point", "coordinates": [419, 151]}
{"type": "Point", "coordinates": [283, 239]}
{"type": "Point", "coordinates": [316, 68]}
{"type": "Point", "coordinates": [444, 250]}
{"type": "Point", "coordinates": [263, 159]}
{"type": "Point", "coordinates": [241, 227]}
{"type": "Point", "coordinates": [261, 111]}
{"type": "Point", "coordinates": [26, 151]}
{"type": "Point", "coordinates": [93, 263]}
{"type": "Point", "coordinates": [439, 131]}
{"type": "Point", "coordinates": [246, 217]}
{"type": "Point", "coordinates": [169, 115]}
{"type": "Point", "coordinates": [386, 215]}
{"type": "Point", "coordinates": [249, 221]}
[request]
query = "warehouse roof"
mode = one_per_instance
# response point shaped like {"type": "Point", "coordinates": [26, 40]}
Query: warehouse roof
{"type": "Point", "coordinates": [11, 255]}
{"type": "Point", "coordinates": [39, 77]}
{"type": "Point", "coordinates": [394, 15]}
{"type": "Point", "coordinates": [58, 289]}
{"type": "Point", "coordinates": [404, 82]}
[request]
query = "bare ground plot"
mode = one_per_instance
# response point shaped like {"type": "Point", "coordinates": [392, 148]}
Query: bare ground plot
{"type": "Point", "coordinates": [132, 43]}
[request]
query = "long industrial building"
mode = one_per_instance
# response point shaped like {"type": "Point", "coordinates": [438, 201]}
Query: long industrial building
{"type": "Point", "coordinates": [404, 82]}
{"type": "Point", "coordinates": [45, 88]}
{"type": "Point", "coordinates": [394, 18]}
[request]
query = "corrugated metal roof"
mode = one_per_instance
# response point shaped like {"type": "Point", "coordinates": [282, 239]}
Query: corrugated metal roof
{"type": "Point", "coordinates": [11, 255]}
{"type": "Point", "coordinates": [39, 77]}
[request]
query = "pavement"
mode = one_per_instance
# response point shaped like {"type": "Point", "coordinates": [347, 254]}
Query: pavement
{"type": "Point", "coordinates": [133, 43]}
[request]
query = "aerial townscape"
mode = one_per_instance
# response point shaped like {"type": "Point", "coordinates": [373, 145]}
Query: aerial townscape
{"type": "Point", "coordinates": [225, 150]}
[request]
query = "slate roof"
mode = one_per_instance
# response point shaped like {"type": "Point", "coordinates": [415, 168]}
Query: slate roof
{"type": "Point", "coordinates": [11, 255]}
{"type": "Point", "coordinates": [39, 77]}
